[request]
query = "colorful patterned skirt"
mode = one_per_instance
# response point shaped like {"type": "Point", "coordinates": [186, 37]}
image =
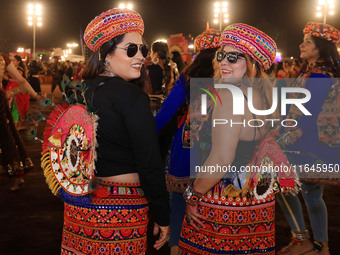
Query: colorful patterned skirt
{"type": "Point", "coordinates": [234, 225]}
{"type": "Point", "coordinates": [115, 222]}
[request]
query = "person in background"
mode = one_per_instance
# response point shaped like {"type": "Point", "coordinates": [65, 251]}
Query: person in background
{"type": "Point", "coordinates": [57, 74]}
{"type": "Point", "coordinates": [280, 72]}
{"type": "Point", "coordinates": [17, 61]}
{"type": "Point", "coordinates": [315, 138]}
{"type": "Point", "coordinates": [296, 68]}
{"type": "Point", "coordinates": [18, 101]}
{"type": "Point", "coordinates": [33, 76]}
{"type": "Point", "coordinates": [15, 160]}
{"type": "Point", "coordinates": [160, 71]}
{"type": "Point", "coordinates": [177, 58]}
{"type": "Point", "coordinates": [69, 69]}
{"type": "Point", "coordinates": [79, 72]}
{"type": "Point", "coordinates": [129, 173]}
{"type": "Point", "coordinates": [175, 109]}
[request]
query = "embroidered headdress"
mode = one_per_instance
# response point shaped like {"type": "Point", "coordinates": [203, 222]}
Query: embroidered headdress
{"type": "Point", "coordinates": [323, 31]}
{"type": "Point", "coordinates": [251, 41]}
{"type": "Point", "coordinates": [209, 39]}
{"type": "Point", "coordinates": [110, 24]}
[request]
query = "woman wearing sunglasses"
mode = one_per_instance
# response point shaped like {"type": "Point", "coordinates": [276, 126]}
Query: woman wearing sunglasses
{"type": "Point", "coordinates": [129, 173]}
{"type": "Point", "coordinates": [222, 215]}
{"type": "Point", "coordinates": [315, 138]}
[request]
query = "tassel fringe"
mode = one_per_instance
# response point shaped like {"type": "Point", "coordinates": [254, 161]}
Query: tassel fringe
{"type": "Point", "coordinates": [45, 158]}
{"type": "Point", "coordinates": [95, 119]}
{"type": "Point", "coordinates": [50, 179]}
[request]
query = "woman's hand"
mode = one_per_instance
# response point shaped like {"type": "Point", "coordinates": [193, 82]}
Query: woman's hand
{"type": "Point", "coordinates": [193, 218]}
{"type": "Point", "coordinates": [37, 97]}
{"type": "Point", "coordinates": [163, 236]}
{"type": "Point", "coordinates": [21, 80]}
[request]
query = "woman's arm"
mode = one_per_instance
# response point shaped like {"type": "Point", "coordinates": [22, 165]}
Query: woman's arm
{"type": "Point", "coordinates": [224, 143]}
{"type": "Point", "coordinates": [21, 80]}
{"type": "Point", "coordinates": [171, 104]}
{"type": "Point", "coordinates": [140, 125]}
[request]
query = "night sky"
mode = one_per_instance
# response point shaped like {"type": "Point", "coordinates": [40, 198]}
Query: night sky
{"type": "Point", "coordinates": [62, 19]}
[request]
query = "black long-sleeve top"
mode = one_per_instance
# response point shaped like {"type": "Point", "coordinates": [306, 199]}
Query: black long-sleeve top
{"type": "Point", "coordinates": [127, 139]}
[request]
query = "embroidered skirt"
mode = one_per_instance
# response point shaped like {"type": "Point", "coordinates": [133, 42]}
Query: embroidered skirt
{"type": "Point", "coordinates": [115, 222]}
{"type": "Point", "coordinates": [234, 225]}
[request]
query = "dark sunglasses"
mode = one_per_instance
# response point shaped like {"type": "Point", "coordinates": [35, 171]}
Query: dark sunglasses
{"type": "Point", "coordinates": [232, 56]}
{"type": "Point", "coordinates": [132, 50]}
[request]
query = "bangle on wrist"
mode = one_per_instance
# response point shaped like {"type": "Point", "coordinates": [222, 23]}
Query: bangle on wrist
{"type": "Point", "coordinates": [191, 196]}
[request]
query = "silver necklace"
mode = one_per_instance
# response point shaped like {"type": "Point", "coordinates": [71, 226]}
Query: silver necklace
{"type": "Point", "coordinates": [109, 73]}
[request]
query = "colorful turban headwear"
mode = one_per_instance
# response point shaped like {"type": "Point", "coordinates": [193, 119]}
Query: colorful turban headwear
{"type": "Point", "coordinates": [110, 24]}
{"type": "Point", "coordinates": [209, 39]}
{"type": "Point", "coordinates": [251, 41]}
{"type": "Point", "coordinates": [323, 31]}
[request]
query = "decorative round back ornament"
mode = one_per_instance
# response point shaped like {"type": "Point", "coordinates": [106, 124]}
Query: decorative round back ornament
{"type": "Point", "coordinates": [272, 171]}
{"type": "Point", "coordinates": [69, 151]}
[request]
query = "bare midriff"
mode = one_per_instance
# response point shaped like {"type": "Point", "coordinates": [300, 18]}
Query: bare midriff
{"type": "Point", "coordinates": [122, 178]}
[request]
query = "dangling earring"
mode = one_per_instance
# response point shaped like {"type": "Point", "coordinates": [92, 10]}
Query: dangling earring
{"type": "Point", "coordinates": [155, 61]}
{"type": "Point", "coordinates": [106, 71]}
{"type": "Point", "coordinates": [254, 69]}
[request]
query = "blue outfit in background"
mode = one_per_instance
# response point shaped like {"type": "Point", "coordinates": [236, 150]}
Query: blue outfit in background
{"type": "Point", "coordinates": [178, 176]}
{"type": "Point", "coordinates": [318, 85]}
{"type": "Point", "coordinates": [310, 142]}
{"type": "Point", "coordinates": [179, 157]}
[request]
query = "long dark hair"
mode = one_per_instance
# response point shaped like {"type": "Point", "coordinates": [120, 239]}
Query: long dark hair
{"type": "Point", "coordinates": [177, 58]}
{"type": "Point", "coordinates": [95, 65]}
{"type": "Point", "coordinates": [202, 66]}
{"type": "Point", "coordinates": [19, 59]}
{"type": "Point", "coordinates": [328, 53]}
{"type": "Point", "coordinates": [163, 52]}
{"type": "Point", "coordinates": [21, 64]}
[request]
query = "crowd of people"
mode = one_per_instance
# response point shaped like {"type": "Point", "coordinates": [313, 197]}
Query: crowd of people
{"type": "Point", "coordinates": [21, 83]}
{"type": "Point", "coordinates": [144, 157]}
{"type": "Point", "coordinates": [35, 72]}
